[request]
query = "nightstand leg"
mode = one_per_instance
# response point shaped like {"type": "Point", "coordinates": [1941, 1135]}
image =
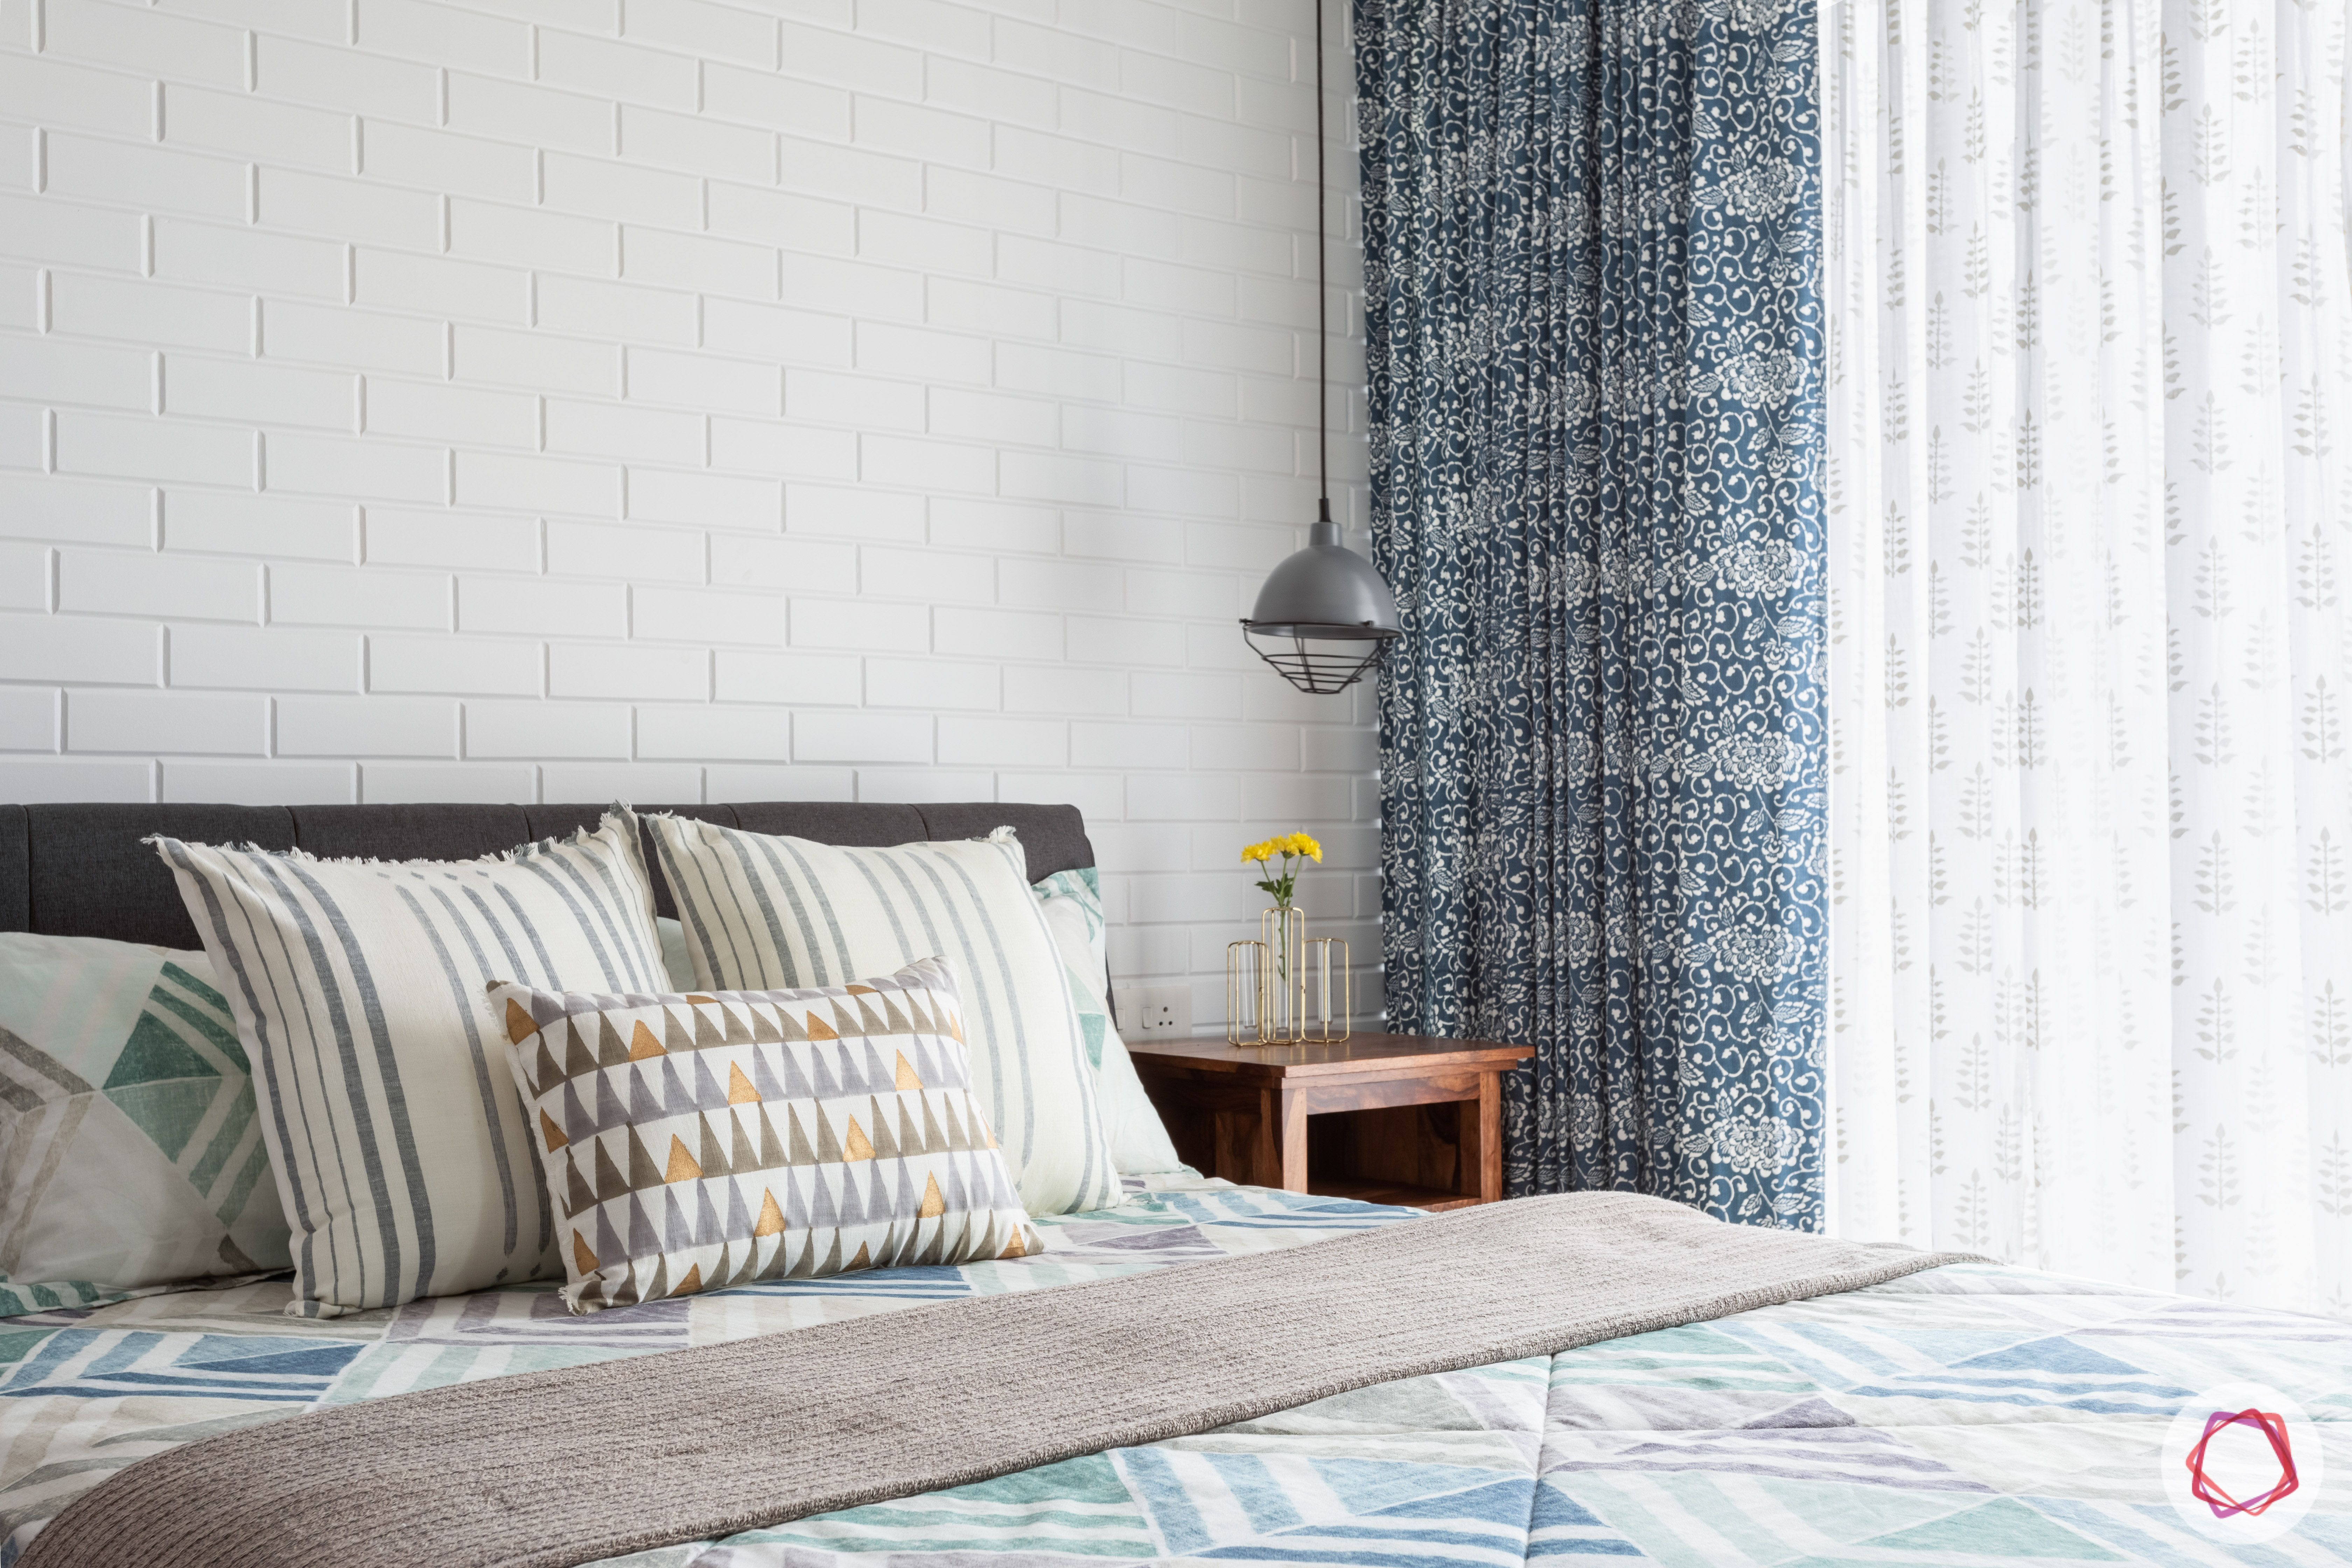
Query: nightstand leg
{"type": "Point", "coordinates": [1482, 1140]}
{"type": "Point", "coordinates": [1293, 1141]}
{"type": "Point", "coordinates": [1278, 1145]}
{"type": "Point", "coordinates": [1266, 1146]}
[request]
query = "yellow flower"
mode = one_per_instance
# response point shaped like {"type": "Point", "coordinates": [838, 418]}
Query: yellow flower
{"type": "Point", "coordinates": [1258, 852]}
{"type": "Point", "coordinates": [1300, 843]}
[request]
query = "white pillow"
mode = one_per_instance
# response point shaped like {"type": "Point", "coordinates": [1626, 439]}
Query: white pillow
{"type": "Point", "coordinates": [359, 988]}
{"type": "Point", "coordinates": [765, 913]}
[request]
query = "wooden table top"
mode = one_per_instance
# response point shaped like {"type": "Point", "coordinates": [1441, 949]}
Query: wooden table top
{"type": "Point", "coordinates": [1357, 1054]}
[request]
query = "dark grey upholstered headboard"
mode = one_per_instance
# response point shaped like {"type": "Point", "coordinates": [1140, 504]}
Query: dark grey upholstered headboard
{"type": "Point", "coordinates": [81, 870]}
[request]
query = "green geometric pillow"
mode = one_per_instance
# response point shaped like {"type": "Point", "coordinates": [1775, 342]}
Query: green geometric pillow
{"type": "Point", "coordinates": [130, 1156]}
{"type": "Point", "coordinates": [1072, 902]}
{"type": "Point", "coordinates": [1073, 905]}
{"type": "Point", "coordinates": [1094, 1017]}
{"type": "Point", "coordinates": [1139, 1139]}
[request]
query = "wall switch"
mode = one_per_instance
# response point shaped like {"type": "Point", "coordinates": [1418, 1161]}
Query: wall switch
{"type": "Point", "coordinates": [1157, 1012]}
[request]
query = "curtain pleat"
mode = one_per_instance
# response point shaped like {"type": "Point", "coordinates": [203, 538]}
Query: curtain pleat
{"type": "Point", "coordinates": [2088, 344]}
{"type": "Point", "coordinates": [1594, 338]}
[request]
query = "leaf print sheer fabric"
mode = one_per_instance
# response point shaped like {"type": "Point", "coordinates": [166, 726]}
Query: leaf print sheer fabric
{"type": "Point", "coordinates": [2092, 931]}
{"type": "Point", "coordinates": [1592, 240]}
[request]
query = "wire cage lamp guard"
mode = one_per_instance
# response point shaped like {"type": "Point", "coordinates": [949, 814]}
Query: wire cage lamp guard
{"type": "Point", "coordinates": [1320, 671]}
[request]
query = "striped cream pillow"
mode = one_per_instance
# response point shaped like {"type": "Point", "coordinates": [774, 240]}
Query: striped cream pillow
{"type": "Point", "coordinates": [765, 913]}
{"type": "Point", "coordinates": [358, 986]}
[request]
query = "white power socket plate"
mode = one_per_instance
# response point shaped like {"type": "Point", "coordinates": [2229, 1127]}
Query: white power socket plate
{"type": "Point", "coordinates": [1155, 1011]}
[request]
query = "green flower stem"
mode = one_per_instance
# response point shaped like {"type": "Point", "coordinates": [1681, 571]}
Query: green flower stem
{"type": "Point", "coordinates": [1282, 888]}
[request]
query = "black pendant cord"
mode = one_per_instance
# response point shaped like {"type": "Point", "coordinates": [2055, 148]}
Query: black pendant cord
{"type": "Point", "coordinates": [1322, 301]}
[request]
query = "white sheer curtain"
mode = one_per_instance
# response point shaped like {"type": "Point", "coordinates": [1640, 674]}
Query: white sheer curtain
{"type": "Point", "coordinates": [2086, 300]}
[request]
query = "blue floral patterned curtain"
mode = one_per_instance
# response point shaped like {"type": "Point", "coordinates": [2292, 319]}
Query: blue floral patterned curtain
{"type": "Point", "coordinates": [1592, 255]}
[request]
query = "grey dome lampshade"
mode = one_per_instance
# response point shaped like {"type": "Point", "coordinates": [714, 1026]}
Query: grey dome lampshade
{"type": "Point", "coordinates": [1327, 595]}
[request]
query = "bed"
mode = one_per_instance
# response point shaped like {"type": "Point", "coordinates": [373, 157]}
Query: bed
{"type": "Point", "coordinates": [1968, 1413]}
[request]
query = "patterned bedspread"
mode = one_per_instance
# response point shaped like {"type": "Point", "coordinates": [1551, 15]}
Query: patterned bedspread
{"type": "Point", "coordinates": [1969, 1414]}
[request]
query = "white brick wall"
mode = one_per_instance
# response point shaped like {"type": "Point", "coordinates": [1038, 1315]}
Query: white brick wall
{"type": "Point", "coordinates": [887, 399]}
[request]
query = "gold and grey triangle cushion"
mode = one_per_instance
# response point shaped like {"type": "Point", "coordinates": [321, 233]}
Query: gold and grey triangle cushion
{"type": "Point", "coordinates": [698, 1139]}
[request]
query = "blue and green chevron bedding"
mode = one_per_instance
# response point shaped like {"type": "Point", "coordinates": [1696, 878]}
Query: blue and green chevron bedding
{"type": "Point", "coordinates": [1969, 1414]}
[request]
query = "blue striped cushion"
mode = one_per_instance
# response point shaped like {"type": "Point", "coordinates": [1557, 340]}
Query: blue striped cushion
{"type": "Point", "coordinates": [393, 1125]}
{"type": "Point", "coordinates": [765, 913]}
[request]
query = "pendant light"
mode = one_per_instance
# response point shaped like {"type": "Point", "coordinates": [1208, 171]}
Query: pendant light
{"type": "Point", "coordinates": [1327, 603]}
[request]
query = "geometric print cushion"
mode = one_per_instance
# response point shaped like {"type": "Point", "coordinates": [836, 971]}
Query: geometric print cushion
{"type": "Point", "coordinates": [400, 1147]}
{"type": "Point", "coordinates": [1072, 903]}
{"type": "Point", "coordinates": [130, 1156]}
{"type": "Point", "coordinates": [764, 912]}
{"type": "Point", "coordinates": [700, 1141]}
{"type": "Point", "coordinates": [1139, 1140]}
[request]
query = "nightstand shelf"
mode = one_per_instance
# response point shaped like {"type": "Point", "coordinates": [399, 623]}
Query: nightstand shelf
{"type": "Point", "coordinates": [1396, 1193]}
{"type": "Point", "coordinates": [1386, 1119]}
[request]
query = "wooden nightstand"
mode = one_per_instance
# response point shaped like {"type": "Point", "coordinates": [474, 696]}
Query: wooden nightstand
{"type": "Point", "coordinates": [1389, 1119]}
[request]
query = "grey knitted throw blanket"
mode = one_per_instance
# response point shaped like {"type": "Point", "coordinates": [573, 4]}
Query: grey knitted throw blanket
{"type": "Point", "coordinates": [554, 1469]}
